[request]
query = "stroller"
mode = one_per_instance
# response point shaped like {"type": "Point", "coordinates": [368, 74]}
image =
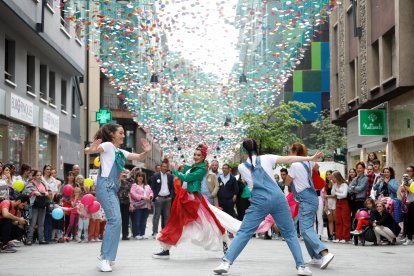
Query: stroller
{"type": "Point", "coordinates": [25, 228]}
{"type": "Point", "coordinates": [367, 234]}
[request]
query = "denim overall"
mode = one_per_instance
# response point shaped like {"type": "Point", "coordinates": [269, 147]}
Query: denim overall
{"type": "Point", "coordinates": [266, 197]}
{"type": "Point", "coordinates": [106, 193]}
{"type": "Point", "coordinates": [308, 206]}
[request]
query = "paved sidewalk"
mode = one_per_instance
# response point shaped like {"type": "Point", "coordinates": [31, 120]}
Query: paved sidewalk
{"type": "Point", "coordinates": [261, 257]}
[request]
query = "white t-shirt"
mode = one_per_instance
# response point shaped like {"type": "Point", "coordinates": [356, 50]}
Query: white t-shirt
{"type": "Point", "coordinates": [300, 175]}
{"type": "Point", "coordinates": [267, 161]}
{"type": "Point", "coordinates": [107, 157]}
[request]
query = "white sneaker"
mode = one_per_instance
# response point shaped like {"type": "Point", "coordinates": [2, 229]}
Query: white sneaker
{"type": "Point", "coordinates": [105, 266]}
{"type": "Point", "coordinates": [326, 260]}
{"type": "Point", "coordinates": [342, 241]}
{"type": "Point", "coordinates": [408, 242]}
{"type": "Point", "coordinates": [314, 261]}
{"type": "Point", "coordinates": [335, 241]}
{"type": "Point", "coordinates": [111, 263]}
{"type": "Point", "coordinates": [303, 270]}
{"type": "Point", "coordinates": [222, 268]}
{"type": "Point", "coordinates": [139, 237]}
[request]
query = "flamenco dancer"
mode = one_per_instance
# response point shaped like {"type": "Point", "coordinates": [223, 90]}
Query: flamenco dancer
{"type": "Point", "coordinates": [106, 142]}
{"type": "Point", "coordinates": [266, 197]}
{"type": "Point", "coordinates": [191, 218]}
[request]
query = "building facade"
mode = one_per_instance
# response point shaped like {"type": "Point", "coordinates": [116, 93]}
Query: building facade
{"type": "Point", "coordinates": [371, 68]}
{"type": "Point", "coordinates": [41, 60]}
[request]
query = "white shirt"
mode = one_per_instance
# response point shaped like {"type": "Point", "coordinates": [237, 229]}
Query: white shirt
{"type": "Point", "coordinates": [267, 161]}
{"type": "Point", "coordinates": [341, 191]}
{"type": "Point", "coordinates": [164, 191]}
{"type": "Point", "coordinates": [107, 157]}
{"type": "Point", "coordinates": [51, 184]}
{"type": "Point", "coordinates": [224, 178]}
{"type": "Point", "coordinates": [300, 175]}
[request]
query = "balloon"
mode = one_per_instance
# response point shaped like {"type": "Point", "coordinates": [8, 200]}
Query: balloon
{"type": "Point", "coordinates": [18, 185]}
{"type": "Point", "coordinates": [87, 199]}
{"type": "Point", "coordinates": [88, 182]}
{"type": "Point", "coordinates": [412, 187]}
{"type": "Point", "coordinates": [97, 162]}
{"type": "Point", "coordinates": [67, 190]}
{"type": "Point", "coordinates": [323, 175]}
{"type": "Point", "coordinates": [94, 207]}
{"type": "Point", "coordinates": [57, 214]}
{"type": "Point", "coordinates": [362, 215]}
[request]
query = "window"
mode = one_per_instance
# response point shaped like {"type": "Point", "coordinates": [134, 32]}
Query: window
{"type": "Point", "coordinates": [73, 100]}
{"type": "Point", "coordinates": [9, 60]}
{"type": "Point", "coordinates": [388, 55]}
{"type": "Point", "coordinates": [63, 85]}
{"type": "Point", "coordinates": [52, 87]}
{"type": "Point", "coordinates": [14, 145]}
{"type": "Point", "coordinates": [45, 148]}
{"type": "Point", "coordinates": [31, 74]}
{"type": "Point", "coordinates": [63, 11]}
{"type": "Point", "coordinates": [374, 65]}
{"type": "Point", "coordinates": [43, 82]}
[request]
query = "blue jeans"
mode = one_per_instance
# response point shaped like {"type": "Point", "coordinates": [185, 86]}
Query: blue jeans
{"type": "Point", "coordinates": [278, 207]}
{"type": "Point", "coordinates": [308, 206]}
{"type": "Point", "coordinates": [106, 193]}
{"type": "Point", "coordinates": [139, 221]}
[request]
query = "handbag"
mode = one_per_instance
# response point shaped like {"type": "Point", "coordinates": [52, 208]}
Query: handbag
{"type": "Point", "coordinates": [140, 204]}
{"type": "Point", "coordinates": [40, 202]}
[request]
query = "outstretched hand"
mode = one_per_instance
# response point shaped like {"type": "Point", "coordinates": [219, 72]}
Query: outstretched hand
{"type": "Point", "coordinates": [95, 144]}
{"type": "Point", "coordinates": [317, 156]}
{"type": "Point", "coordinates": [145, 145]}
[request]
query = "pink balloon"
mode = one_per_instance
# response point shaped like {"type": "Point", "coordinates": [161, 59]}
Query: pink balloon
{"type": "Point", "coordinates": [94, 207]}
{"type": "Point", "coordinates": [362, 215]}
{"type": "Point", "coordinates": [67, 190]}
{"type": "Point", "coordinates": [87, 199]}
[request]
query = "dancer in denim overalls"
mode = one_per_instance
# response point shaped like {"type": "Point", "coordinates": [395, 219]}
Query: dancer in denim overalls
{"type": "Point", "coordinates": [107, 141]}
{"type": "Point", "coordinates": [266, 197]}
{"type": "Point", "coordinates": [300, 175]}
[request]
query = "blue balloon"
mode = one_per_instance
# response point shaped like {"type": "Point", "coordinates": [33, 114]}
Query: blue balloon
{"type": "Point", "coordinates": [57, 214]}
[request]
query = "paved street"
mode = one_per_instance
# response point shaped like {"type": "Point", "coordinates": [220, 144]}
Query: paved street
{"type": "Point", "coordinates": [261, 257]}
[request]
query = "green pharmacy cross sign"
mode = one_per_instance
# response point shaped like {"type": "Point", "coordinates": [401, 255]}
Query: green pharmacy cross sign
{"type": "Point", "coordinates": [103, 116]}
{"type": "Point", "coordinates": [372, 122]}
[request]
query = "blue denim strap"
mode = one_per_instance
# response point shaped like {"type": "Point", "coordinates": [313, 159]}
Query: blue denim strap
{"type": "Point", "coordinates": [308, 170]}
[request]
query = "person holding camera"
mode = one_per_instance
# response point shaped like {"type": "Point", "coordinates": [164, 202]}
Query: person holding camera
{"type": "Point", "coordinates": [407, 199]}
{"type": "Point", "coordinates": [10, 219]}
{"type": "Point", "coordinates": [37, 191]}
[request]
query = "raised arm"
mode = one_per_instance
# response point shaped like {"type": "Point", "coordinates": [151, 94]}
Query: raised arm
{"type": "Point", "coordinates": [146, 147]}
{"type": "Point", "coordinates": [95, 147]}
{"type": "Point", "coordinates": [293, 158]}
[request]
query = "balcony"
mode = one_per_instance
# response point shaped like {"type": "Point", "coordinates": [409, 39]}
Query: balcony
{"type": "Point", "coordinates": [114, 102]}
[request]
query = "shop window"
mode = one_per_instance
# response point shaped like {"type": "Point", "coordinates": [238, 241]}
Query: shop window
{"type": "Point", "coordinates": [31, 74]}
{"type": "Point", "coordinates": [45, 148]}
{"type": "Point", "coordinates": [43, 82]}
{"type": "Point", "coordinates": [14, 142]}
{"type": "Point", "coordinates": [9, 60]}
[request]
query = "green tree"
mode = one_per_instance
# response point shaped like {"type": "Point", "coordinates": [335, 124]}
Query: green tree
{"type": "Point", "coordinates": [327, 136]}
{"type": "Point", "coordinates": [273, 127]}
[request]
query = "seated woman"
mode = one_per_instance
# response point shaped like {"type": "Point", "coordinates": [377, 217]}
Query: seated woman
{"type": "Point", "coordinates": [384, 224]}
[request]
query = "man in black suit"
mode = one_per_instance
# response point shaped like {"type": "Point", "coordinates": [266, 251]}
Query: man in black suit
{"type": "Point", "coordinates": [162, 184]}
{"type": "Point", "coordinates": [228, 190]}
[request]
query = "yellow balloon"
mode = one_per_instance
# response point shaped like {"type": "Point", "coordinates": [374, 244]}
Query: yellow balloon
{"type": "Point", "coordinates": [412, 187]}
{"type": "Point", "coordinates": [18, 185]}
{"type": "Point", "coordinates": [97, 162]}
{"type": "Point", "coordinates": [88, 182]}
{"type": "Point", "coordinates": [323, 175]}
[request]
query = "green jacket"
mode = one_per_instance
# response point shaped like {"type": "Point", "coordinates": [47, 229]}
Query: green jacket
{"type": "Point", "coordinates": [193, 178]}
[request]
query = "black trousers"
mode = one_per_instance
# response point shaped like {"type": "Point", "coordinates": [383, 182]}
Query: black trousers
{"type": "Point", "coordinates": [409, 221]}
{"type": "Point", "coordinates": [228, 206]}
{"type": "Point", "coordinates": [9, 231]}
{"type": "Point", "coordinates": [241, 205]}
{"type": "Point", "coordinates": [125, 219]}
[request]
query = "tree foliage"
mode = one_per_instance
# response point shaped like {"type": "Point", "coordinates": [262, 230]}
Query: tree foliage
{"type": "Point", "coordinates": [273, 128]}
{"type": "Point", "coordinates": [327, 136]}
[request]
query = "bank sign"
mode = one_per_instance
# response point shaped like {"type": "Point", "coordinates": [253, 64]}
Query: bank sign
{"type": "Point", "coordinates": [372, 122]}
